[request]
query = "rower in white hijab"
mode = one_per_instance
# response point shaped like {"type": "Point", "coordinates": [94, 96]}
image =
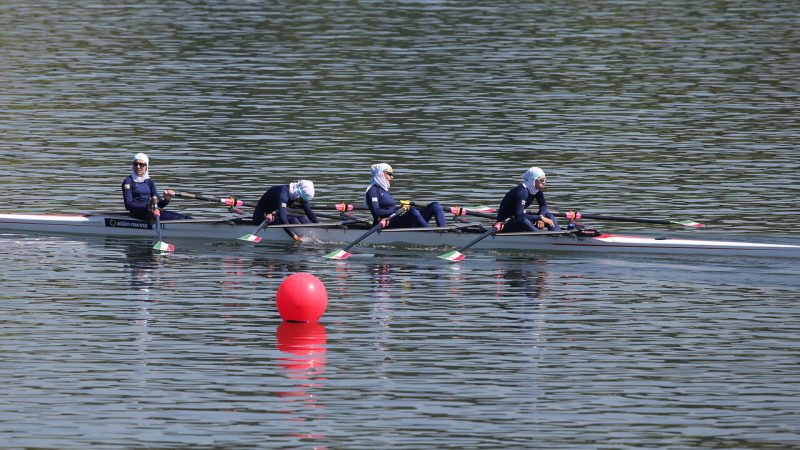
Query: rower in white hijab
{"type": "Point", "coordinates": [303, 189]}
{"type": "Point", "coordinates": [379, 175]}
{"type": "Point", "coordinates": [139, 173]}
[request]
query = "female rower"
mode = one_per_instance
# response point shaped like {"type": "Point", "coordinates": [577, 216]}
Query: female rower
{"type": "Point", "coordinates": [382, 205]}
{"type": "Point", "coordinates": [517, 199]}
{"type": "Point", "coordinates": [273, 205]}
{"type": "Point", "coordinates": [140, 193]}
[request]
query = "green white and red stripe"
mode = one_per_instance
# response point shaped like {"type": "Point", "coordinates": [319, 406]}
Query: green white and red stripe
{"type": "Point", "coordinates": [250, 238]}
{"type": "Point", "coordinates": [454, 256]}
{"type": "Point", "coordinates": [163, 247]}
{"type": "Point", "coordinates": [338, 254]}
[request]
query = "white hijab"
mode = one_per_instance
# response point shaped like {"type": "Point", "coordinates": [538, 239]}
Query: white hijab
{"type": "Point", "coordinates": [529, 179]}
{"type": "Point", "coordinates": [141, 157]}
{"type": "Point", "coordinates": [301, 189]}
{"type": "Point", "coordinates": [378, 177]}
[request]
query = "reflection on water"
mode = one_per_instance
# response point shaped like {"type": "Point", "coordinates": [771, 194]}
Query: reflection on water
{"type": "Point", "coordinates": [303, 362]}
{"type": "Point", "coordinates": [636, 108]}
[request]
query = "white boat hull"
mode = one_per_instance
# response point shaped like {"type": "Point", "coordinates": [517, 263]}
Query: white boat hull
{"type": "Point", "coordinates": [122, 226]}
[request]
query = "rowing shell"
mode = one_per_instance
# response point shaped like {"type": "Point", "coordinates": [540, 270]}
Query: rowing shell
{"type": "Point", "coordinates": [222, 230]}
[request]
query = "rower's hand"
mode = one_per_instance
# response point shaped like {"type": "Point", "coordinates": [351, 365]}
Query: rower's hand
{"type": "Point", "coordinates": [269, 218]}
{"type": "Point", "coordinates": [168, 194]}
{"type": "Point", "coordinates": [297, 238]}
{"type": "Point", "coordinates": [546, 221]}
{"type": "Point", "coordinates": [498, 226]}
{"type": "Point", "coordinates": [384, 223]}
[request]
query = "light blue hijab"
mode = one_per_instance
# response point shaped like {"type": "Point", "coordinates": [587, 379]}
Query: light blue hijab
{"type": "Point", "coordinates": [529, 179]}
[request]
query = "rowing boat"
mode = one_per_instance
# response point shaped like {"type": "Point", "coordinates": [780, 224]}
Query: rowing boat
{"type": "Point", "coordinates": [121, 225]}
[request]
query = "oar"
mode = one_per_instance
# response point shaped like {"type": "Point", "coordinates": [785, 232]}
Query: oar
{"type": "Point", "coordinates": [316, 225]}
{"type": "Point", "coordinates": [253, 237]}
{"type": "Point", "coordinates": [231, 201]}
{"type": "Point", "coordinates": [572, 215]}
{"type": "Point", "coordinates": [348, 216]}
{"type": "Point", "coordinates": [342, 252]}
{"type": "Point", "coordinates": [458, 255]}
{"type": "Point", "coordinates": [341, 207]}
{"type": "Point", "coordinates": [161, 245]}
{"type": "Point", "coordinates": [480, 211]}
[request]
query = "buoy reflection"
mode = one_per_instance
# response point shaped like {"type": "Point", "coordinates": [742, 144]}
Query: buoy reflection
{"type": "Point", "coordinates": [304, 347]}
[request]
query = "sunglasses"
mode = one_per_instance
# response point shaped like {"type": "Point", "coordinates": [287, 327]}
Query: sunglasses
{"type": "Point", "coordinates": [139, 164]}
{"type": "Point", "coordinates": [389, 173]}
{"type": "Point", "coordinates": [542, 180]}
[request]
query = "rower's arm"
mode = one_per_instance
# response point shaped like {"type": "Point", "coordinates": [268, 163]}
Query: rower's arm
{"type": "Point", "coordinates": [310, 213]}
{"type": "Point", "coordinates": [381, 204]}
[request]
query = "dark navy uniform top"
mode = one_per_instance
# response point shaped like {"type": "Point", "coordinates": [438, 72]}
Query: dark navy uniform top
{"type": "Point", "coordinates": [380, 203]}
{"type": "Point", "coordinates": [276, 200]}
{"type": "Point", "coordinates": [515, 202]}
{"type": "Point", "coordinates": [137, 197]}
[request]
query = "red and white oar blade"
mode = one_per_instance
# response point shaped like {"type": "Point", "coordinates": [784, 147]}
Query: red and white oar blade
{"type": "Point", "coordinates": [483, 209]}
{"type": "Point", "coordinates": [689, 223]}
{"type": "Point", "coordinates": [163, 247]}
{"type": "Point", "coordinates": [250, 238]}
{"type": "Point", "coordinates": [459, 211]}
{"type": "Point", "coordinates": [338, 254]}
{"type": "Point", "coordinates": [454, 256]}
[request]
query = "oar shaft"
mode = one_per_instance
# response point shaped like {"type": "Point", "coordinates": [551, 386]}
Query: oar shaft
{"type": "Point", "coordinates": [342, 207]}
{"type": "Point", "coordinates": [477, 239]}
{"type": "Point", "coordinates": [483, 235]}
{"type": "Point", "coordinates": [157, 213]}
{"type": "Point", "coordinates": [618, 218]}
{"type": "Point", "coordinates": [374, 228]}
{"type": "Point", "coordinates": [369, 232]}
{"type": "Point", "coordinates": [685, 223]}
{"type": "Point", "coordinates": [225, 201]}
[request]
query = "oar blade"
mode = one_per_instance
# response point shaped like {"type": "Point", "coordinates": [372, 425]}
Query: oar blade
{"type": "Point", "coordinates": [250, 238]}
{"type": "Point", "coordinates": [338, 254]}
{"type": "Point", "coordinates": [477, 210]}
{"type": "Point", "coordinates": [162, 246]}
{"type": "Point", "coordinates": [454, 256]}
{"type": "Point", "coordinates": [689, 223]}
{"type": "Point", "coordinates": [483, 209]}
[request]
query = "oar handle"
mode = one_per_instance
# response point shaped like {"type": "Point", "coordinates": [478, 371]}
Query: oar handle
{"type": "Point", "coordinates": [230, 201]}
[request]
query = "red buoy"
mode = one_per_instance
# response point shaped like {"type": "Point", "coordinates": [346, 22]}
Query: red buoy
{"type": "Point", "coordinates": [302, 298]}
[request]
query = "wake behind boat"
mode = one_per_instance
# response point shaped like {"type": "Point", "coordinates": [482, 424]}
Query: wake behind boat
{"type": "Point", "coordinates": [231, 229]}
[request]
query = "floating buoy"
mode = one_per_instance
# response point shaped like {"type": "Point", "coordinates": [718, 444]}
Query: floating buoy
{"type": "Point", "coordinates": [302, 298]}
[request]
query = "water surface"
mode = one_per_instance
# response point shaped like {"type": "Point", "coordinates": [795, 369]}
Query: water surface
{"type": "Point", "coordinates": [632, 108]}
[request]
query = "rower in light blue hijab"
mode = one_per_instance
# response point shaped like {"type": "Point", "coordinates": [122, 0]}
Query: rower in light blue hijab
{"type": "Point", "coordinates": [530, 177]}
{"type": "Point", "coordinates": [382, 205]}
